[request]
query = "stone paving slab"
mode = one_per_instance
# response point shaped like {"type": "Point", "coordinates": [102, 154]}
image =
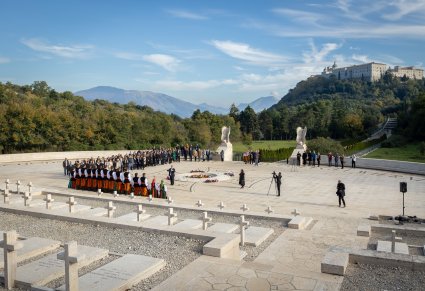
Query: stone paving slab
{"type": "Point", "coordinates": [77, 208]}
{"type": "Point", "coordinates": [120, 274]}
{"type": "Point", "coordinates": [132, 217]}
{"type": "Point", "coordinates": [223, 227]}
{"type": "Point", "coordinates": [49, 268]}
{"type": "Point", "coordinates": [385, 246]}
{"type": "Point", "coordinates": [32, 247]}
{"type": "Point", "coordinates": [335, 263]}
{"type": "Point", "coordinates": [98, 211]}
{"type": "Point", "coordinates": [188, 224]}
{"type": "Point", "coordinates": [255, 235]}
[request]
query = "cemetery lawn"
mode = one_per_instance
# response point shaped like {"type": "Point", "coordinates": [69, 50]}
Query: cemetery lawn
{"type": "Point", "coordinates": [409, 153]}
{"type": "Point", "coordinates": [240, 147]}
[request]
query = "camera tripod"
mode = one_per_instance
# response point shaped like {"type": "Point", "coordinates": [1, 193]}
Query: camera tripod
{"type": "Point", "coordinates": [271, 182]}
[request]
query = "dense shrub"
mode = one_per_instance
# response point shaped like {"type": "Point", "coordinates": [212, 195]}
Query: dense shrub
{"type": "Point", "coordinates": [275, 155]}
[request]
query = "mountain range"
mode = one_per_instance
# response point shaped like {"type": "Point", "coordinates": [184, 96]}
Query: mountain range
{"type": "Point", "coordinates": [165, 103]}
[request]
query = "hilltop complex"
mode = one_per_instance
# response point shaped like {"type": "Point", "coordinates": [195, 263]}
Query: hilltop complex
{"type": "Point", "coordinates": [371, 72]}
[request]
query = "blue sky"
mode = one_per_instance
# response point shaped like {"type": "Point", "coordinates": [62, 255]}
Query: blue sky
{"type": "Point", "coordinates": [217, 52]}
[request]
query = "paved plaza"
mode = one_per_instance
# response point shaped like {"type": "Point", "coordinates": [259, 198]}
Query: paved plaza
{"type": "Point", "coordinates": [293, 260]}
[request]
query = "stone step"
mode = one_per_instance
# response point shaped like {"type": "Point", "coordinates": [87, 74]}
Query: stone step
{"type": "Point", "coordinates": [300, 222]}
{"type": "Point", "coordinates": [132, 217]}
{"type": "Point", "coordinates": [255, 235]}
{"type": "Point", "coordinates": [120, 274]}
{"type": "Point", "coordinates": [49, 268]}
{"type": "Point", "coordinates": [223, 227]}
{"type": "Point", "coordinates": [32, 247]}
{"type": "Point", "coordinates": [385, 246]}
{"type": "Point", "coordinates": [188, 224]}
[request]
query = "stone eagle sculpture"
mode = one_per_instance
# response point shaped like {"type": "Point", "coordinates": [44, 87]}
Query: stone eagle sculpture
{"type": "Point", "coordinates": [301, 132]}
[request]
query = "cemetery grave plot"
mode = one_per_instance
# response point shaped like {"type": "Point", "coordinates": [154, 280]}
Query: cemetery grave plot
{"type": "Point", "coordinates": [185, 214]}
{"type": "Point", "coordinates": [176, 251]}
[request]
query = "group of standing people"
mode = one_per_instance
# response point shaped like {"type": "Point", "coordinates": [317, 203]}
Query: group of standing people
{"type": "Point", "coordinates": [336, 159]}
{"type": "Point", "coordinates": [309, 157]}
{"type": "Point", "coordinates": [251, 157]}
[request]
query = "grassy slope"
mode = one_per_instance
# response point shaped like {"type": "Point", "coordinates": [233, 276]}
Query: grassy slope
{"type": "Point", "coordinates": [408, 153]}
{"type": "Point", "coordinates": [239, 147]}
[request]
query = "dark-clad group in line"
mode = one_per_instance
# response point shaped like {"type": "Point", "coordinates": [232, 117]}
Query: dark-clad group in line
{"type": "Point", "coordinates": [312, 159]}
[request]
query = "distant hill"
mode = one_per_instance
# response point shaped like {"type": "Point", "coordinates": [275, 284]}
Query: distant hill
{"type": "Point", "coordinates": [260, 104]}
{"type": "Point", "coordinates": [156, 101]}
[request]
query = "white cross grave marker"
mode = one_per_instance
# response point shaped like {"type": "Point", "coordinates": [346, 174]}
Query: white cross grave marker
{"type": "Point", "coordinates": [244, 208]}
{"type": "Point", "coordinates": [71, 202]}
{"type": "Point", "coordinates": [150, 198]}
{"type": "Point", "coordinates": [205, 220]}
{"type": "Point", "coordinates": [10, 246]}
{"type": "Point", "coordinates": [221, 205]}
{"type": "Point", "coordinates": [393, 240]}
{"type": "Point", "coordinates": [99, 192]}
{"type": "Point", "coordinates": [27, 199]}
{"type": "Point", "coordinates": [199, 203]}
{"type": "Point", "coordinates": [170, 200]}
{"type": "Point", "coordinates": [140, 212]}
{"type": "Point", "coordinates": [115, 194]}
{"type": "Point", "coordinates": [6, 195]}
{"type": "Point", "coordinates": [295, 212]}
{"type": "Point", "coordinates": [71, 265]}
{"type": "Point", "coordinates": [132, 195]}
{"type": "Point", "coordinates": [49, 201]}
{"type": "Point", "coordinates": [243, 225]}
{"type": "Point", "coordinates": [18, 183]}
{"type": "Point", "coordinates": [269, 210]}
{"type": "Point", "coordinates": [172, 217]}
{"type": "Point", "coordinates": [111, 209]}
{"type": "Point", "coordinates": [29, 187]}
{"type": "Point", "coordinates": [7, 184]}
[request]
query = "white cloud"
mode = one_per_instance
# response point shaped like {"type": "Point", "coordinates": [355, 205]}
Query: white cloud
{"type": "Point", "coordinates": [318, 55]}
{"type": "Point", "coordinates": [167, 62]}
{"type": "Point", "coordinates": [246, 53]}
{"type": "Point", "coordinates": [404, 7]}
{"type": "Point", "coordinates": [72, 51]}
{"type": "Point", "coordinates": [299, 15]}
{"type": "Point", "coordinates": [187, 15]}
{"type": "Point", "coordinates": [4, 60]}
{"type": "Point", "coordinates": [361, 58]}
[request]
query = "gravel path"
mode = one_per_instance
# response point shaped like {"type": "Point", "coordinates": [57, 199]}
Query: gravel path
{"type": "Point", "coordinates": [371, 278]}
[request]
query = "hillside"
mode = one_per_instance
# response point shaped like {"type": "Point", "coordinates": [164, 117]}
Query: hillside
{"type": "Point", "coordinates": [260, 104]}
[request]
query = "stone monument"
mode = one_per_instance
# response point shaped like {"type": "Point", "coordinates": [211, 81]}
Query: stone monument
{"type": "Point", "coordinates": [301, 143]}
{"type": "Point", "coordinates": [225, 145]}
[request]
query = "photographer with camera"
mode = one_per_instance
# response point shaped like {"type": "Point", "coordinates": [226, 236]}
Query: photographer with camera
{"type": "Point", "coordinates": [278, 180]}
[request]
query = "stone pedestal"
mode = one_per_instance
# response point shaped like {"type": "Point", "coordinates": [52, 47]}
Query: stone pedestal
{"type": "Point", "coordinates": [228, 151]}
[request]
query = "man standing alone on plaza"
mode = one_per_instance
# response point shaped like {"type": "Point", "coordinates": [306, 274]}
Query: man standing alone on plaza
{"type": "Point", "coordinates": [340, 192]}
{"type": "Point", "coordinates": [172, 174]}
{"type": "Point", "coordinates": [278, 180]}
{"type": "Point", "coordinates": [353, 160]}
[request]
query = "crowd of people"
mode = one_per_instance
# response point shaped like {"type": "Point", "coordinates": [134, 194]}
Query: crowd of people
{"type": "Point", "coordinates": [251, 157]}
{"type": "Point", "coordinates": [312, 158]}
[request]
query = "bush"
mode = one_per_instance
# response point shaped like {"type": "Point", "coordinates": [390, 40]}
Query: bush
{"type": "Point", "coordinates": [422, 148]}
{"type": "Point", "coordinates": [395, 141]}
{"type": "Point", "coordinates": [325, 145]}
{"type": "Point", "coordinates": [275, 155]}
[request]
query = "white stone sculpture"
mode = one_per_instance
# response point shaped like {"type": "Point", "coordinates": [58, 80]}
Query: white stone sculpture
{"type": "Point", "coordinates": [226, 147]}
{"type": "Point", "coordinates": [301, 133]}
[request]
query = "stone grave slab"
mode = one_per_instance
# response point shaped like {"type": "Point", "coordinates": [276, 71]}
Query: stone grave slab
{"type": "Point", "coordinates": [98, 211]}
{"type": "Point", "coordinates": [363, 230]}
{"type": "Point", "coordinates": [300, 222]}
{"type": "Point", "coordinates": [120, 274]}
{"type": "Point", "coordinates": [55, 205]}
{"type": "Point", "coordinates": [255, 235]}
{"type": "Point", "coordinates": [385, 246]}
{"type": "Point", "coordinates": [335, 263]}
{"type": "Point", "coordinates": [132, 217]}
{"type": "Point", "coordinates": [160, 220]}
{"type": "Point", "coordinates": [77, 208]}
{"type": "Point", "coordinates": [37, 203]}
{"type": "Point", "coordinates": [223, 227]}
{"type": "Point", "coordinates": [32, 247]}
{"type": "Point", "coordinates": [188, 224]}
{"type": "Point", "coordinates": [49, 268]}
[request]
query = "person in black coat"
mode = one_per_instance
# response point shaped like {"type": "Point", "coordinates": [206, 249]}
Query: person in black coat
{"type": "Point", "coordinates": [340, 192]}
{"type": "Point", "coordinates": [242, 179]}
{"type": "Point", "coordinates": [278, 180]}
{"type": "Point", "coordinates": [172, 174]}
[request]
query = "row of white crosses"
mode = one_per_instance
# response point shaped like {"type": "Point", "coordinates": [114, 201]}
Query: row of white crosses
{"type": "Point", "coordinates": [18, 185]}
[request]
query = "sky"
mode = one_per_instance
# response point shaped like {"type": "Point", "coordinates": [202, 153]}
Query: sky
{"type": "Point", "coordinates": [219, 52]}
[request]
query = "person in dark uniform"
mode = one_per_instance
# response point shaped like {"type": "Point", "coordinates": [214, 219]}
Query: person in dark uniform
{"type": "Point", "coordinates": [340, 192]}
{"type": "Point", "coordinates": [242, 179]}
{"type": "Point", "coordinates": [278, 180]}
{"type": "Point", "coordinates": [172, 174]}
